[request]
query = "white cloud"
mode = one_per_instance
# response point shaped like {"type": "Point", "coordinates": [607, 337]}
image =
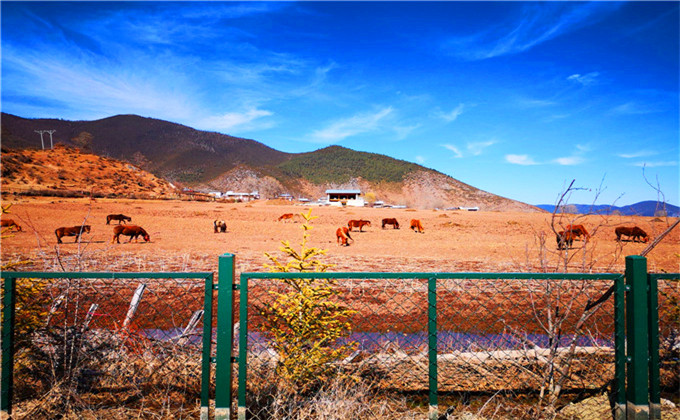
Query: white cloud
{"type": "Point", "coordinates": [357, 124]}
{"type": "Point", "coordinates": [569, 161]}
{"type": "Point", "coordinates": [404, 130]}
{"type": "Point", "coordinates": [657, 164]}
{"type": "Point", "coordinates": [540, 22]}
{"type": "Point", "coordinates": [520, 160]}
{"type": "Point", "coordinates": [632, 108]}
{"type": "Point", "coordinates": [420, 159]}
{"type": "Point", "coordinates": [638, 154]}
{"type": "Point", "coordinates": [453, 115]}
{"type": "Point", "coordinates": [236, 121]}
{"type": "Point", "coordinates": [454, 149]}
{"type": "Point", "coordinates": [477, 148]}
{"type": "Point", "coordinates": [588, 79]}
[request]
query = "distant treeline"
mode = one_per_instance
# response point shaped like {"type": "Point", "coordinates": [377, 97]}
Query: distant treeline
{"type": "Point", "coordinates": [338, 165]}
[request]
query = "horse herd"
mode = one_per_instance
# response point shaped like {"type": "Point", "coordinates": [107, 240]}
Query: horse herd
{"type": "Point", "coordinates": [566, 237]}
{"type": "Point", "coordinates": [343, 236]}
{"type": "Point", "coordinates": [126, 230]}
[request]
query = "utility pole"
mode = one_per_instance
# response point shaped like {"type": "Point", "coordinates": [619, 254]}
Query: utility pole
{"type": "Point", "coordinates": [51, 144]}
{"type": "Point", "coordinates": [41, 137]}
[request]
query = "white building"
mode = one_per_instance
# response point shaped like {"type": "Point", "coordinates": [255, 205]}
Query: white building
{"type": "Point", "coordinates": [344, 198]}
{"type": "Point", "coordinates": [241, 196]}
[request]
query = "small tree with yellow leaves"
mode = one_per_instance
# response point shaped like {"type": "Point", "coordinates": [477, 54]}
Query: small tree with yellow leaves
{"type": "Point", "coordinates": [305, 323]}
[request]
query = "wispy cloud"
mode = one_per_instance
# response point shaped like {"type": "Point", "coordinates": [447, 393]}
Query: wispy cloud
{"type": "Point", "coordinates": [351, 126]}
{"type": "Point", "coordinates": [638, 154]}
{"type": "Point", "coordinates": [569, 161]}
{"type": "Point", "coordinates": [236, 122]}
{"type": "Point", "coordinates": [454, 149]}
{"type": "Point", "coordinates": [477, 148]}
{"type": "Point", "coordinates": [403, 131]}
{"type": "Point", "coordinates": [632, 108]}
{"type": "Point", "coordinates": [588, 79]}
{"type": "Point", "coordinates": [420, 159]}
{"type": "Point", "coordinates": [452, 115]}
{"type": "Point", "coordinates": [538, 23]}
{"type": "Point", "coordinates": [520, 160]}
{"type": "Point", "coordinates": [657, 163]}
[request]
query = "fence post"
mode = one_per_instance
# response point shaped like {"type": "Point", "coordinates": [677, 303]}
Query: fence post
{"type": "Point", "coordinates": [432, 346]}
{"type": "Point", "coordinates": [654, 368]}
{"type": "Point", "coordinates": [225, 337]}
{"type": "Point", "coordinates": [637, 335]}
{"type": "Point", "coordinates": [7, 380]}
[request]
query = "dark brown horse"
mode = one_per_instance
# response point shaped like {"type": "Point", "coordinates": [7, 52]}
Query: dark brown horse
{"type": "Point", "coordinates": [120, 217]}
{"type": "Point", "coordinates": [220, 226]}
{"type": "Point", "coordinates": [131, 231]}
{"type": "Point", "coordinates": [632, 232]}
{"type": "Point", "coordinates": [390, 221]}
{"type": "Point", "coordinates": [71, 231]}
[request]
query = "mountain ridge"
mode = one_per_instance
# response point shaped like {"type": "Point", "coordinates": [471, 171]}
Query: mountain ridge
{"type": "Point", "coordinates": [206, 161]}
{"type": "Point", "coordinates": [643, 208]}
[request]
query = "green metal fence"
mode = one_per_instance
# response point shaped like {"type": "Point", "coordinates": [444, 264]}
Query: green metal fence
{"type": "Point", "coordinates": [522, 345]}
{"type": "Point", "coordinates": [535, 345]}
{"type": "Point", "coordinates": [112, 345]}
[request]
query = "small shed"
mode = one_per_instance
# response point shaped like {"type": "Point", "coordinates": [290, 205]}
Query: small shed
{"type": "Point", "coordinates": [344, 198]}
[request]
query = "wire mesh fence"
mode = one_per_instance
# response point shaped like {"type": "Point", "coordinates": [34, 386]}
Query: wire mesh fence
{"type": "Point", "coordinates": [109, 347]}
{"type": "Point", "coordinates": [498, 347]}
{"type": "Point", "coordinates": [669, 335]}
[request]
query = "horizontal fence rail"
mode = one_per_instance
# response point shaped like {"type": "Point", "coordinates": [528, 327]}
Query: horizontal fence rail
{"type": "Point", "coordinates": [548, 338]}
{"type": "Point", "coordinates": [116, 345]}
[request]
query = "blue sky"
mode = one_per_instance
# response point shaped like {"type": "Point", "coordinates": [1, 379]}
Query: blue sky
{"type": "Point", "coordinates": [515, 98]}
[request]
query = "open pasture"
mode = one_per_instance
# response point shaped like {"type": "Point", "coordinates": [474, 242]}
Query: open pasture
{"type": "Point", "coordinates": [182, 238]}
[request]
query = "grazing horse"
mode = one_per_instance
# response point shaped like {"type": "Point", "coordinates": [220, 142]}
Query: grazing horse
{"type": "Point", "coordinates": [564, 239]}
{"type": "Point", "coordinates": [358, 223]}
{"type": "Point", "coordinates": [287, 216]}
{"type": "Point", "coordinates": [120, 217]}
{"type": "Point", "coordinates": [578, 230]}
{"type": "Point", "coordinates": [71, 231]}
{"type": "Point", "coordinates": [8, 223]}
{"type": "Point", "coordinates": [342, 235]}
{"type": "Point", "coordinates": [390, 221]}
{"type": "Point", "coordinates": [220, 226]}
{"type": "Point", "coordinates": [417, 226]}
{"type": "Point", "coordinates": [631, 232]}
{"type": "Point", "coordinates": [131, 231]}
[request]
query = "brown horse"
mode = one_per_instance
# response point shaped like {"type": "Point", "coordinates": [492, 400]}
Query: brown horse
{"type": "Point", "coordinates": [9, 223]}
{"type": "Point", "coordinates": [71, 231]}
{"type": "Point", "coordinates": [120, 217]}
{"type": "Point", "coordinates": [358, 223]}
{"type": "Point", "coordinates": [577, 231]}
{"type": "Point", "coordinates": [632, 232]}
{"type": "Point", "coordinates": [342, 235]}
{"type": "Point", "coordinates": [220, 226]}
{"type": "Point", "coordinates": [417, 226]}
{"type": "Point", "coordinates": [564, 239]}
{"type": "Point", "coordinates": [131, 231]}
{"type": "Point", "coordinates": [390, 221]}
{"type": "Point", "coordinates": [287, 216]}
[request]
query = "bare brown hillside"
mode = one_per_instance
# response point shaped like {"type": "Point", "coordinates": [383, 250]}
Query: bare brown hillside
{"type": "Point", "coordinates": [65, 171]}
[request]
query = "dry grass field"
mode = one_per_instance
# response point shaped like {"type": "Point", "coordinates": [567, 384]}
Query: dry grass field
{"type": "Point", "coordinates": [182, 238]}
